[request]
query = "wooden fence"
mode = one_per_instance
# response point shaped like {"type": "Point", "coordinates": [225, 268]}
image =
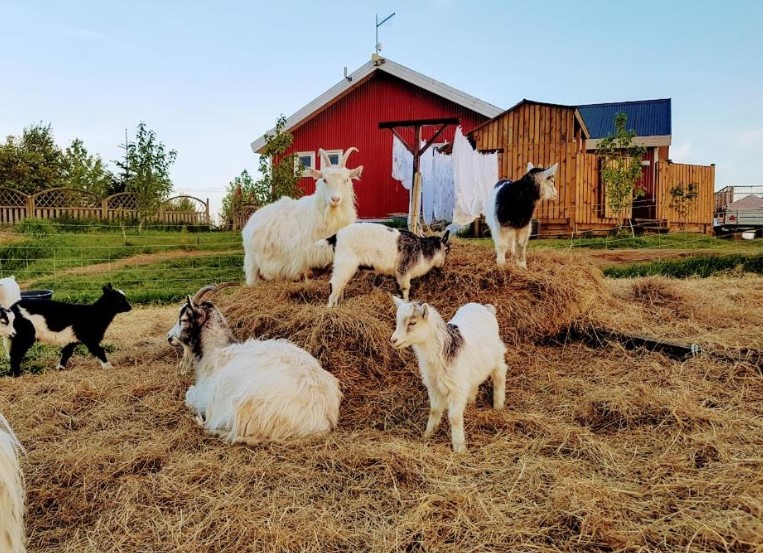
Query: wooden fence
{"type": "Point", "coordinates": [70, 203]}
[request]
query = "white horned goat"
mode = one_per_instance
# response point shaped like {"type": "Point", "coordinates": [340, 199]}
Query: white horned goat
{"type": "Point", "coordinates": [385, 250]}
{"type": "Point", "coordinates": [254, 391]}
{"type": "Point", "coordinates": [12, 494]}
{"type": "Point", "coordinates": [280, 238]}
{"type": "Point", "coordinates": [454, 359]}
{"type": "Point", "coordinates": [509, 211]}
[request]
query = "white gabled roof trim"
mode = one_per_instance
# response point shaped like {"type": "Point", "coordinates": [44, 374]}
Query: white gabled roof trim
{"type": "Point", "coordinates": [397, 70]}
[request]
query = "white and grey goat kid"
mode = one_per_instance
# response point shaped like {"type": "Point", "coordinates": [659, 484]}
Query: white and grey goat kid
{"type": "Point", "coordinates": [385, 250]}
{"type": "Point", "coordinates": [254, 391]}
{"type": "Point", "coordinates": [12, 494]}
{"type": "Point", "coordinates": [454, 359]}
{"type": "Point", "coordinates": [280, 238]}
{"type": "Point", "coordinates": [510, 207]}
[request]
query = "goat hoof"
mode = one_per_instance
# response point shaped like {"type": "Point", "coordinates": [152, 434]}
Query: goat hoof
{"type": "Point", "coordinates": [107, 366]}
{"type": "Point", "coordinates": [60, 367]}
{"type": "Point", "coordinates": [460, 448]}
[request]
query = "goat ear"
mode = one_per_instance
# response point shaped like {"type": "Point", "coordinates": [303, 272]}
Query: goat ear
{"type": "Point", "coordinates": [107, 288]}
{"type": "Point", "coordinates": [445, 237]}
{"type": "Point", "coordinates": [530, 166]}
{"type": "Point", "coordinates": [551, 171]}
{"type": "Point", "coordinates": [424, 310]}
{"type": "Point", "coordinates": [398, 301]}
{"type": "Point", "coordinates": [355, 173]}
{"type": "Point", "coordinates": [314, 173]}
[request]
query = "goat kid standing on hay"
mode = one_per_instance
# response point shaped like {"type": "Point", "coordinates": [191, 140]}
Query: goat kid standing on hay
{"type": "Point", "coordinates": [254, 391]}
{"type": "Point", "coordinates": [510, 207]}
{"type": "Point", "coordinates": [280, 238]}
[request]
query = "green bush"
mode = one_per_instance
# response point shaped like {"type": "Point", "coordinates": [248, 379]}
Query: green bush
{"type": "Point", "coordinates": [35, 227]}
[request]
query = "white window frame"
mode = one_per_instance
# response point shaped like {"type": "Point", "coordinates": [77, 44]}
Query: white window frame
{"type": "Point", "coordinates": [311, 155]}
{"type": "Point", "coordinates": [338, 153]}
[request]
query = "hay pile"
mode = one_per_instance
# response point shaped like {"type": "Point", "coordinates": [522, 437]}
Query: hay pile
{"type": "Point", "coordinates": [598, 450]}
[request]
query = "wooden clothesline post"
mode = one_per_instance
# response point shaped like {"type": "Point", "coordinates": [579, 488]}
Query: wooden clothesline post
{"type": "Point", "coordinates": [414, 206]}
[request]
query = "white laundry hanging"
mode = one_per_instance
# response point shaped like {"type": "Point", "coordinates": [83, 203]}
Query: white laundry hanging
{"type": "Point", "coordinates": [444, 187]}
{"type": "Point", "coordinates": [474, 176]}
{"type": "Point", "coordinates": [402, 163]}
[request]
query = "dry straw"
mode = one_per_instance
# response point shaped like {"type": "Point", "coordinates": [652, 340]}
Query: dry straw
{"type": "Point", "coordinates": [598, 450]}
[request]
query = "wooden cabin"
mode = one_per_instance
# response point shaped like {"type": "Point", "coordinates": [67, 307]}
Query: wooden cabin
{"type": "Point", "coordinates": [545, 134]}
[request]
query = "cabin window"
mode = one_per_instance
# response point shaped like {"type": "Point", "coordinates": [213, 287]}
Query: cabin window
{"type": "Point", "coordinates": [305, 160]}
{"type": "Point", "coordinates": [334, 156]}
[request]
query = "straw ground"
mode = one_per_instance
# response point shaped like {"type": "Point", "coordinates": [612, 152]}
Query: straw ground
{"type": "Point", "coordinates": [598, 450]}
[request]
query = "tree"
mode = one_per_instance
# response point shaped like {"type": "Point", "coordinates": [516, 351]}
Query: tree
{"type": "Point", "coordinates": [279, 173]}
{"type": "Point", "coordinates": [681, 199]}
{"type": "Point", "coordinates": [32, 162]}
{"type": "Point", "coordinates": [146, 172]}
{"type": "Point", "coordinates": [621, 169]}
{"type": "Point", "coordinates": [242, 191]}
{"type": "Point", "coordinates": [84, 171]}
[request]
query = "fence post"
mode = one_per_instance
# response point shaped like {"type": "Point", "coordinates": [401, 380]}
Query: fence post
{"type": "Point", "coordinates": [206, 206]}
{"type": "Point", "coordinates": [30, 206]}
{"type": "Point", "coordinates": [104, 209]}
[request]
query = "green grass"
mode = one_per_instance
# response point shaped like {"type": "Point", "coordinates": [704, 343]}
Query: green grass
{"type": "Point", "coordinates": [37, 256]}
{"type": "Point", "coordinates": [700, 266]}
{"type": "Point", "coordinates": [167, 281]}
{"type": "Point", "coordinates": [678, 241]}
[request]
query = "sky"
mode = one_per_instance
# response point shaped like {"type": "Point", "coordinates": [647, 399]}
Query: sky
{"type": "Point", "coordinates": [210, 77]}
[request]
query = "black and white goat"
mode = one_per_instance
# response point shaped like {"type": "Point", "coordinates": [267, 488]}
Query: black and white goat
{"type": "Point", "coordinates": [385, 250]}
{"type": "Point", "coordinates": [10, 293]}
{"type": "Point", "coordinates": [454, 359]}
{"type": "Point", "coordinates": [509, 211]}
{"type": "Point", "coordinates": [254, 391]}
{"type": "Point", "coordinates": [65, 325]}
{"type": "Point", "coordinates": [12, 494]}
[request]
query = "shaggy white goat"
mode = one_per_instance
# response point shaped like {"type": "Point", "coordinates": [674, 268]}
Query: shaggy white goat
{"type": "Point", "coordinates": [280, 238]}
{"type": "Point", "coordinates": [255, 391]}
{"type": "Point", "coordinates": [454, 359]}
{"type": "Point", "coordinates": [509, 211]}
{"type": "Point", "coordinates": [385, 250]}
{"type": "Point", "coordinates": [12, 495]}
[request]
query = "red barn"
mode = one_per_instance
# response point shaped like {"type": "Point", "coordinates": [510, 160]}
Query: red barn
{"type": "Point", "coordinates": [348, 114]}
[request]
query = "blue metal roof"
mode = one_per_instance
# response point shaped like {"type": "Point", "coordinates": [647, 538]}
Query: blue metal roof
{"type": "Point", "coordinates": [645, 117]}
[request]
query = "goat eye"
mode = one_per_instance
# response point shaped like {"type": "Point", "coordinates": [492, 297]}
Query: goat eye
{"type": "Point", "coordinates": [412, 323]}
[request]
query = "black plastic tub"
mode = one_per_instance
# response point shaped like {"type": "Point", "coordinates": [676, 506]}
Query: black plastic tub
{"type": "Point", "coordinates": [36, 294]}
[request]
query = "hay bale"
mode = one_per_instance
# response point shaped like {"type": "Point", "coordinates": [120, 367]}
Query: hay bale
{"type": "Point", "coordinates": [352, 340]}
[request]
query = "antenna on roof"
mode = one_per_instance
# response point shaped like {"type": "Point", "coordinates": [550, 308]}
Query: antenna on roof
{"type": "Point", "coordinates": [379, 24]}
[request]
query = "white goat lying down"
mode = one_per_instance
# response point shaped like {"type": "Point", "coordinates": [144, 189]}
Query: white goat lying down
{"type": "Point", "coordinates": [12, 495]}
{"type": "Point", "coordinates": [385, 250]}
{"type": "Point", "coordinates": [255, 391]}
{"type": "Point", "coordinates": [510, 207]}
{"type": "Point", "coordinates": [454, 359]}
{"type": "Point", "coordinates": [279, 239]}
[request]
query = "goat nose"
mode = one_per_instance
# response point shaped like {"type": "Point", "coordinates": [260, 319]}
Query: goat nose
{"type": "Point", "coordinates": [335, 199]}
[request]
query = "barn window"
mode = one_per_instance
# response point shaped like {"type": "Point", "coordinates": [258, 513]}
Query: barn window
{"type": "Point", "coordinates": [306, 160]}
{"type": "Point", "coordinates": [335, 156]}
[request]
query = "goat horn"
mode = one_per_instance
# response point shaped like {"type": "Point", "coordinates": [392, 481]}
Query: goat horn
{"type": "Point", "coordinates": [346, 155]}
{"type": "Point", "coordinates": [211, 288]}
{"type": "Point", "coordinates": [197, 297]}
{"type": "Point", "coordinates": [325, 161]}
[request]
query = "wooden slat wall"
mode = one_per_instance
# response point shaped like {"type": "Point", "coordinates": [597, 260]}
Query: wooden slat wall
{"type": "Point", "coordinates": [590, 212]}
{"type": "Point", "coordinates": [700, 213]}
{"type": "Point", "coordinates": [543, 135]}
{"type": "Point", "coordinates": [12, 215]}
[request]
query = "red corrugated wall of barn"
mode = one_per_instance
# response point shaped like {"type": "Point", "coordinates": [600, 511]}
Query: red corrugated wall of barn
{"type": "Point", "coordinates": [354, 119]}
